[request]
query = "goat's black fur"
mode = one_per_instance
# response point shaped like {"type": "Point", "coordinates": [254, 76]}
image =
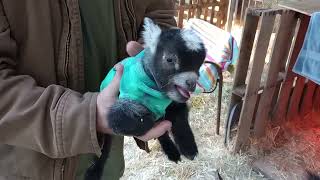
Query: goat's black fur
{"type": "Point", "coordinates": [178, 114]}
{"type": "Point", "coordinates": [169, 148]}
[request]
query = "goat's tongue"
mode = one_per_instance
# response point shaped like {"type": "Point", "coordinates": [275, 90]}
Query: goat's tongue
{"type": "Point", "coordinates": [183, 92]}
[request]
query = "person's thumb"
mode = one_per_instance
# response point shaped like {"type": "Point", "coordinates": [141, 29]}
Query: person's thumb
{"type": "Point", "coordinates": [113, 88]}
{"type": "Point", "coordinates": [134, 48]}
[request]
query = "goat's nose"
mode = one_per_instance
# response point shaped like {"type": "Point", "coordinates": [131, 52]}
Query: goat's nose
{"type": "Point", "coordinates": [191, 84]}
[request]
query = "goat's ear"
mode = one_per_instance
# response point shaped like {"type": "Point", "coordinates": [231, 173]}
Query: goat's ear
{"type": "Point", "coordinates": [192, 39]}
{"type": "Point", "coordinates": [151, 34]}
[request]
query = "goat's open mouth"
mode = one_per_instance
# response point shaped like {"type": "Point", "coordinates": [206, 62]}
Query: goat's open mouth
{"type": "Point", "coordinates": [185, 93]}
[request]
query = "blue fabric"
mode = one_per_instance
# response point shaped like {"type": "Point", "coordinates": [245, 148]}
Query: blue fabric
{"type": "Point", "coordinates": [207, 79]}
{"type": "Point", "coordinates": [308, 62]}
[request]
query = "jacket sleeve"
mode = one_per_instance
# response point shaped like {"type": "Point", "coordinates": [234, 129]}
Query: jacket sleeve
{"type": "Point", "coordinates": [55, 121]}
{"type": "Point", "coordinates": [162, 12]}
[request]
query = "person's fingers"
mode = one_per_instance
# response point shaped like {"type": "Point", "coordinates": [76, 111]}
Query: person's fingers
{"type": "Point", "coordinates": [113, 87]}
{"type": "Point", "coordinates": [156, 131]}
{"type": "Point", "coordinates": [134, 48]}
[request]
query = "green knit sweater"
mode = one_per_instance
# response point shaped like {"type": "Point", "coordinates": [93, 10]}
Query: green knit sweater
{"type": "Point", "coordinates": [137, 86]}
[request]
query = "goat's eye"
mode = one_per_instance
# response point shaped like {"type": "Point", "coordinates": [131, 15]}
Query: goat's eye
{"type": "Point", "coordinates": [170, 60]}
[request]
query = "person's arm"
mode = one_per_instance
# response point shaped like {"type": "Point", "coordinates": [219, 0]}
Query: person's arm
{"type": "Point", "coordinates": [55, 121]}
{"type": "Point", "coordinates": [162, 12]}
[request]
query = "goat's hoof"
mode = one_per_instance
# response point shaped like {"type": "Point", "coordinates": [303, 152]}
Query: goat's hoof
{"type": "Point", "coordinates": [190, 153]}
{"type": "Point", "coordinates": [191, 157]}
{"type": "Point", "coordinates": [174, 157]}
{"type": "Point", "coordinates": [174, 154]}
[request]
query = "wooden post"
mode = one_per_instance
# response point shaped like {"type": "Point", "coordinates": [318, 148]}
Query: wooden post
{"type": "Point", "coordinates": [247, 40]}
{"type": "Point", "coordinates": [279, 54]}
{"type": "Point", "coordinates": [251, 95]}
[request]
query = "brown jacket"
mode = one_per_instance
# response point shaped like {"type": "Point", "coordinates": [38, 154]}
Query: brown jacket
{"type": "Point", "coordinates": [46, 119]}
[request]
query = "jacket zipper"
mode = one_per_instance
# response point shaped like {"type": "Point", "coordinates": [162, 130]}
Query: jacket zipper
{"type": "Point", "coordinates": [67, 57]}
{"type": "Point", "coordinates": [65, 72]}
{"type": "Point", "coordinates": [67, 53]}
{"type": "Point", "coordinates": [62, 168]}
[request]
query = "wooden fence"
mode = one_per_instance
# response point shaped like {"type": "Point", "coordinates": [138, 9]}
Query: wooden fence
{"type": "Point", "coordinates": [237, 10]}
{"type": "Point", "coordinates": [213, 11]}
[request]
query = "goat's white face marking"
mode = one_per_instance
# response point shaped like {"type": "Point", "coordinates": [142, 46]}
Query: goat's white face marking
{"type": "Point", "coordinates": [151, 35]}
{"type": "Point", "coordinates": [180, 79]}
{"type": "Point", "coordinates": [192, 40]}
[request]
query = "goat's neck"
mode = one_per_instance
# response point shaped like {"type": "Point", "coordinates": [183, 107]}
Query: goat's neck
{"type": "Point", "coordinates": [147, 69]}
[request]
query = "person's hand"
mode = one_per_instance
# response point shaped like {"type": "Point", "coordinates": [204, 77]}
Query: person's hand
{"type": "Point", "coordinates": [107, 98]}
{"type": "Point", "coordinates": [134, 48]}
{"type": "Point", "coordinates": [157, 131]}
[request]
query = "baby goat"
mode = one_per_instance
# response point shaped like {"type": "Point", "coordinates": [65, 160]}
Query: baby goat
{"type": "Point", "coordinates": [155, 85]}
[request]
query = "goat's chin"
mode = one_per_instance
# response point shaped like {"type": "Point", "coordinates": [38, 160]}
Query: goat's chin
{"type": "Point", "coordinates": [174, 95]}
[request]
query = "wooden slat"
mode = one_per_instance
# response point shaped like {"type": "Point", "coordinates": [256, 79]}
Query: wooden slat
{"type": "Point", "coordinates": [211, 15]}
{"type": "Point", "coordinates": [241, 90]}
{"type": "Point", "coordinates": [279, 54]}
{"type": "Point", "coordinates": [205, 15]}
{"type": "Point", "coordinates": [193, 12]}
{"type": "Point", "coordinates": [251, 3]}
{"type": "Point", "coordinates": [275, 98]}
{"type": "Point", "coordinates": [316, 102]}
{"type": "Point", "coordinates": [307, 102]}
{"type": "Point", "coordinates": [259, 55]}
{"type": "Point", "coordinates": [282, 104]}
{"type": "Point", "coordinates": [245, 4]}
{"type": "Point", "coordinates": [236, 12]}
{"type": "Point", "coordinates": [219, 15]}
{"type": "Point", "coordinates": [306, 7]}
{"type": "Point", "coordinates": [199, 9]}
{"type": "Point", "coordinates": [294, 102]}
{"type": "Point", "coordinates": [190, 9]}
{"type": "Point", "coordinates": [247, 40]}
{"type": "Point", "coordinates": [223, 9]}
{"type": "Point", "coordinates": [213, 12]}
{"type": "Point", "coordinates": [181, 13]}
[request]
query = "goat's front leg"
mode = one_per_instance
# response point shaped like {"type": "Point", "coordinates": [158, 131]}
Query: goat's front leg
{"type": "Point", "coordinates": [169, 148]}
{"type": "Point", "coordinates": [128, 117]}
{"type": "Point", "coordinates": [181, 130]}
